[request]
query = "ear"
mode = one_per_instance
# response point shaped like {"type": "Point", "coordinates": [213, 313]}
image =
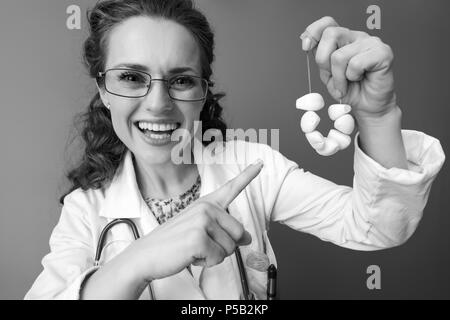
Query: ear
{"type": "Point", "coordinates": [102, 93]}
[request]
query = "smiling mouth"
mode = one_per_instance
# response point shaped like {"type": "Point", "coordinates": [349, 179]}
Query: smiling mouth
{"type": "Point", "coordinates": [154, 130]}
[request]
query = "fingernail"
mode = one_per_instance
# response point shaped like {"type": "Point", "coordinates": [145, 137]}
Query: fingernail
{"type": "Point", "coordinates": [258, 162]}
{"type": "Point", "coordinates": [306, 44]}
{"type": "Point", "coordinates": [338, 93]}
{"type": "Point", "coordinates": [246, 239]}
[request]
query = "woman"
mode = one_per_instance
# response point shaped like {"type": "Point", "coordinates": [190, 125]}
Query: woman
{"type": "Point", "coordinates": [191, 216]}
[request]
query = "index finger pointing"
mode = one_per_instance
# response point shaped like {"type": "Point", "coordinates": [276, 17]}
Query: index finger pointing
{"type": "Point", "coordinates": [230, 190]}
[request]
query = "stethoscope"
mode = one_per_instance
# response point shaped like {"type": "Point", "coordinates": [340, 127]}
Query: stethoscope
{"type": "Point", "coordinates": [271, 286]}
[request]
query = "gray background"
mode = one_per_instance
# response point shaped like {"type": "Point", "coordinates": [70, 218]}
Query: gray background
{"type": "Point", "coordinates": [260, 66]}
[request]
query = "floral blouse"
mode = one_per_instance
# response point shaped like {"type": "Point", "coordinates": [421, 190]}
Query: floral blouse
{"type": "Point", "coordinates": [164, 209]}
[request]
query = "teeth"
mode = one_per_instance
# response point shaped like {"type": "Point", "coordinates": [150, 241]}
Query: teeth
{"type": "Point", "coordinates": [160, 136]}
{"type": "Point", "coordinates": [157, 126]}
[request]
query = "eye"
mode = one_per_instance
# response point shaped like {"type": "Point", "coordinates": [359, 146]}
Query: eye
{"type": "Point", "coordinates": [131, 76]}
{"type": "Point", "coordinates": [182, 82]}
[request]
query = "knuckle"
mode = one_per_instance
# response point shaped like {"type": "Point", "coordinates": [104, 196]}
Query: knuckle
{"type": "Point", "coordinates": [321, 60]}
{"type": "Point", "coordinates": [355, 64]}
{"type": "Point", "coordinates": [329, 20]}
{"type": "Point", "coordinates": [204, 207]}
{"type": "Point", "coordinates": [209, 204]}
{"type": "Point", "coordinates": [197, 237]}
{"type": "Point", "coordinates": [374, 41]}
{"type": "Point", "coordinates": [309, 30]}
{"type": "Point", "coordinates": [334, 32]}
{"type": "Point", "coordinates": [203, 219]}
{"type": "Point", "coordinates": [342, 30]}
{"type": "Point", "coordinates": [337, 57]}
{"type": "Point", "coordinates": [389, 53]}
{"type": "Point", "coordinates": [382, 48]}
{"type": "Point", "coordinates": [330, 32]}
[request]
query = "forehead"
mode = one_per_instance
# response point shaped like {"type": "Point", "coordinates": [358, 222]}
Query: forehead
{"type": "Point", "coordinates": [156, 43]}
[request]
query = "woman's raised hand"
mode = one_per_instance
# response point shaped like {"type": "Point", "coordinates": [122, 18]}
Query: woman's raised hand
{"type": "Point", "coordinates": [355, 66]}
{"type": "Point", "coordinates": [202, 234]}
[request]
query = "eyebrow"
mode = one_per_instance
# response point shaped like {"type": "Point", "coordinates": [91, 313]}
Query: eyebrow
{"type": "Point", "coordinates": [144, 68]}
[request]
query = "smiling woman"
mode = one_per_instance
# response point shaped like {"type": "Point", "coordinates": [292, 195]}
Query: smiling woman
{"type": "Point", "coordinates": [202, 235]}
{"type": "Point", "coordinates": [116, 50]}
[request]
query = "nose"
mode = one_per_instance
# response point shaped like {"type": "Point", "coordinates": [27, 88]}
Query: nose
{"type": "Point", "coordinates": [158, 99]}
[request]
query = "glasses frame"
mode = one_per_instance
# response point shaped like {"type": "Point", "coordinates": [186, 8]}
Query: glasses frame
{"type": "Point", "coordinates": [209, 83]}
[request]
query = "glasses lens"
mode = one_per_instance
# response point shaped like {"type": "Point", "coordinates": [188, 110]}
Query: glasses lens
{"type": "Point", "coordinates": [129, 83]}
{"type": "Point", "coordinates": [187, 87]}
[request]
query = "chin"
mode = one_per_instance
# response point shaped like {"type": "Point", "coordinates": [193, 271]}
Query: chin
{"type": "Point", "coordinates": [156, 156]}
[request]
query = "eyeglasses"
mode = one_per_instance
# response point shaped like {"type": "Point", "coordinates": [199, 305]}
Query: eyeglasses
{"type": "Point", "coordinates": [130, 83]}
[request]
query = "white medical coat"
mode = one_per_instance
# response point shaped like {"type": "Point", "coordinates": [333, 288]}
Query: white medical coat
{"type": "Point", "coordinates": [382, 210]}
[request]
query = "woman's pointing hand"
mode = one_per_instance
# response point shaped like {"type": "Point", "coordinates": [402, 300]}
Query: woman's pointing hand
{"type": "Point", "coordinates": [202, 234]}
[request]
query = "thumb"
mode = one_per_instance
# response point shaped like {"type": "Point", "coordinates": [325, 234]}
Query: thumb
{"type": "Point", "coordinates": [245, 240]}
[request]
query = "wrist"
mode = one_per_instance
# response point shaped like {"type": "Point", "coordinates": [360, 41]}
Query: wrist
{"type": "Point", "coordinates": [381, 139]}
{"type": "Point", "coordinates": [128, 272]}
{"type": "Point", "coordinates": [116, 279]}
{"type": "Point", "coordinates": [134, 259]}
{"type": "Point", "coordinates": [391, 117]}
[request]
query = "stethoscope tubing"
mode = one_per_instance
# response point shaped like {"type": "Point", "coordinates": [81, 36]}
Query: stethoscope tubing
{"type": "Point", "coordinates": [102, 238]}
{"type": "Point", "coordinates": [243, 275]}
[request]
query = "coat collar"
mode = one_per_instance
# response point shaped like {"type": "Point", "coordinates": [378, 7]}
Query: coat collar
{"type": "Point", "coordinates": [122, 196]}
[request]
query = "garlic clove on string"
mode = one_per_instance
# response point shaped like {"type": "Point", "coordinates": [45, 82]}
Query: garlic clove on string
{"type": "Point", "coordinates": [342, 139]}
{"type": "Point", "coordinates": [310, 102]}
{"type": "Point", "coordinates": [309, 122]}
{"type": "Point", "coordinates": [345, 124]}
{"type": "Point", "coordinates": [337, 110]}
{"type": "Point", "coordinates": [315, 139]}
{"type": "Point", "coordinates": [329, 148]}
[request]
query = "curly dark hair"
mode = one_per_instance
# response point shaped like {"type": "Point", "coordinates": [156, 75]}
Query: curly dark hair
{"type": "Point", "coordinates": [103, 150]}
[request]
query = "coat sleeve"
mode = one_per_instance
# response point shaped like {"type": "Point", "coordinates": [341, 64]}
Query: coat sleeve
{"type": "Point", "coordinates": [71, 256]}
{"type": "Point", "coordinates": [381, 210]}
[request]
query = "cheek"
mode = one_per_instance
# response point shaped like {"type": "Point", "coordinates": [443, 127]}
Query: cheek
{"type": "Point", "coordinates": [193, 112]}
{"type": "Point", "coordinates": [121, 123]}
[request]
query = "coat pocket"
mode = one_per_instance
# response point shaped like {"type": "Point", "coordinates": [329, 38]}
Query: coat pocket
{"type": "Point", "coordinates": [257, 282]}
{"type": "Point", "coordinates": [256, 264]}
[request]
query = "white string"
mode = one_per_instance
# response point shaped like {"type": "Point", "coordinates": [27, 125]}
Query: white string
{"type": "Point", "coordinates": [309, 71]}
